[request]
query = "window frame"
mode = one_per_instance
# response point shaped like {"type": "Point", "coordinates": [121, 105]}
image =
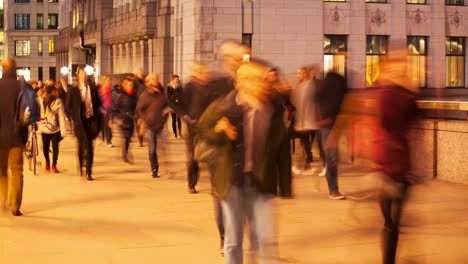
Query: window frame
{"type": "Point", "coordinates": [375, 55]}
{"type": "Point", "coordinates": [451, 3]}
{"type": "Point", "coordinates": [22, 1]}
{"type": "Point", "coordinates": [23, 16]}
{"type": "Point", "coordinates": [51, 47]}
{"type": "Point", "coordinates": [455, 55]}
{"type": "Point", "coordinates": [376, 1]}
{"type": "Point", "coordinates": [408, 3]}
{"type": "Point", "coordinates": [336, 52]}
{"type": "Point", "coordinates": [424, 54]}
{"type": "Point", "coordinates": [37, 21]}
{"type": "Point", "coordinates": [49, 16]}
{"type": "Point", "coordinates": [26, 54]}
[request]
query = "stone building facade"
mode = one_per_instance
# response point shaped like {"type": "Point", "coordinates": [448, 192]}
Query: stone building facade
{"type": "Point", "coordinates": [351, 36]}
{"type": "Point", "coordinates": [30, 29]}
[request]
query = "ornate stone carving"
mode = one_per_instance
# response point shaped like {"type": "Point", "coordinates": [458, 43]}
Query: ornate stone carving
{"type": "Point", "coordinates": [418, 16]}
{"type": "Point", "coordinates": [336, 16]}
{"type": "Point", "coordinates": [378, 17]}
{"type": "Point", "coordinates": [455, 19]}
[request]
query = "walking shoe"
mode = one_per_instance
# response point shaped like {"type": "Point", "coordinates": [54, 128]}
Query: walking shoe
{"type": "Point", "coordinates": [109, 145]}
{"type": "Point", "coordinates": [155, 174]}
{"type": "Point", "coordinates": [296, 171]}
{"type": "Point", "coordinates": [336, 196]}
{"type": "Point", "coordinates": [89, 177]}
{"type": "Point", "coordinates": [47, 166]}
{"type": "Point", "coordinates": [309, 171]}
{"type": "Point", "coordinates": [54, 169]}
{"type": "Point", "coordinates": [16, 213]}
{"type": "Point", "coordinates": [192, 190]}
{"type": "Point", "coordinates": [323, 172]}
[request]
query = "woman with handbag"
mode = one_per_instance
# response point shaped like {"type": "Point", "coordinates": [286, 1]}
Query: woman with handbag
{"type": "Point", "coordinates": [52, 124]}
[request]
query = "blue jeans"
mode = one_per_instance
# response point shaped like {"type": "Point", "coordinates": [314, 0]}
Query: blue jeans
{"type": "Point", "coordinates": [245, 204]}
{"type": "Point", "coordinates": [331, 160]}
{"type": "Point", "coordinates": [152, 144]}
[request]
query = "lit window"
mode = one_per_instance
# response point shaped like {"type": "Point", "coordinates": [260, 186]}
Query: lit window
{"type": "Point", "coordinates": [376, 1]}
{"type": "Point", "coordinates": [455, 62]}
{"type": "Point", "coordinates": [39, 47]}
{"type": "Point", "coordinates": [455, 2]}
{"type": "Point", "coordinates": [22, 48]}
{"type": "Point", "coordinates": [420, 2]}
{"type": "Point", "coordinates": [417, 59]}
{"type": "Point", "coordinates": [2, 37]}
{"type": "Point", "coordinates": [377, 47]}
{"type": "Point", "coordinates": [21, 21]}
{"type": "Point", "coordinates": [334, 50]}
{"type": "Point", "coordinates": [52, 21]}
{"type": "Point", "coordinates": [51, 47]}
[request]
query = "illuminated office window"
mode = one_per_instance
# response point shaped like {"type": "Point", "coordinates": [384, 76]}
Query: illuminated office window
{"type": "Point", "coordinates": [334, 50]}
{"type": "Point", "coordinates": [51, 47]}
{"type": "Point", "coordinates": [22, 48]}
{"type": "Point", "coordinates": [39, 47]}
{"type": "Point", "coordinates": [376, 1]}
{"type": "Point", "coordinates": [376, 49]}
{"type": "Point", "coordinates": [420, 2]}
{"type": "Point", "coordinates": [455, 62]}
{"type": "Point", "coordinates": [417, 59]}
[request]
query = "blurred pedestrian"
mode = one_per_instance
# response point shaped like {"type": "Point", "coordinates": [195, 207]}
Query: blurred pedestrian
{"type": "Point", "coordinates": [174, 93]}
{"type": "Point", "coordinates": [124, 112]}
{"type": "Point", "coordinates": [330, 97]}
{"type": "Point", "coordinates": [139, 78]}
{"type": "Point", "coordinates": [306, 116]}
{"type": "Point", "coordinates": [105, 94]}
{"type": "Point", "coordinates": [12, 139]}
{"type": "Point", "coordinates": [84, 110]}
{"type": "Point", "coordinates": [153, 111]}
{"type": "Point", "coordinates": [52, 124]}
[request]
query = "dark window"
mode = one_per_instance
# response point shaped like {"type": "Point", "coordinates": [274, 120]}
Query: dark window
{"type": "Point", "coordinates": [334, 0]}
{"type": "Point", "coordinates": [40, 73]}
{"type": "Point", "coordinates": [247, 40]}
{"type": "Point", "coordinates": [1, 19]}
{"type": "Point", "coordinates": [334, 50]}
{"type": "Point", "coordinates": [455, 2]}
{"type": "Point", "coordinates": [455, 62]}
{"type": "Point", "coordinates": [21, 21]}
{"type": "Point", "coordinates": [417, 59]}
{"type": "Point", "coordinates": [21, 1]}
{"type": "Point", "coordinates": [52, 73]}
{"type": "Point", "coordinates": [376, 49]}
{"type": "Point", "coordinates": [40, 1]}
{"type": "Point", "coordinates": [52, 21]}
{"type": "Point", "coordinates": [40, 21]}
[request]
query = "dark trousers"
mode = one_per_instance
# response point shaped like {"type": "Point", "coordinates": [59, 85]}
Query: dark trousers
{"type": "Point", "coordinates": [85, 150]}
{"type": "Point", "coordinates": [331, 160]}
{"type": "Point", "coordinates": [176, 124]}
{"type": "Point", "coordinates": [306, 144]}
{"type": "Point", "coordinates": [55, 139]}
{"type": "Point", "coordinates": [138, 129]}
{"type": "Point", "coordinates": [193, 171]}
{"type": "Point", "coordinates": [106, 130]}
{"type": "Point", "coordinates": [391, 208]}
{"type": "Point", "coordinates": [320, 147]}
{"type": "Point", "coordinates": [218, 211]}
{"type": "Point", "coordinates": [152, 145]}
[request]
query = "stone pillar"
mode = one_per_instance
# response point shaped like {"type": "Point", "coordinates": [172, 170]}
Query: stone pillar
{"type": "Point", "coordinates": [127, 59]}
{"type": "Point", "coordinates": [436, 75]}
{"type": "Point", "coordinates": [135, 58]}
{"type": "Point", "coordinates": [356, 60]}
{"type": "Point", "coordinates": [147, 55]}
{"type": "Point", "coordinates": [121, 58]}
{"type": "Point", "coordinates": [114, 59]}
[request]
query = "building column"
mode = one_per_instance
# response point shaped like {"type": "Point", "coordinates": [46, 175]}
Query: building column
{"type": "Point", "coordinates": [135, 58]}
{"type": "Point", "coordinates": [121, 58]}
{"type": "Point", "coordinates": [114, 59]}
{"type": "Point", "coordinates": [436, 76]}
{"type": "Point", "coordinates": [127, 59]}
{"type": "Point", "coordinates": [147, 55]}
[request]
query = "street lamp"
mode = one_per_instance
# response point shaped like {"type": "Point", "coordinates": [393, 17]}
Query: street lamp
{"type": "Point", "coordinates": [64, 70]}
{"type": "Point", "coordinates": [89, 70]}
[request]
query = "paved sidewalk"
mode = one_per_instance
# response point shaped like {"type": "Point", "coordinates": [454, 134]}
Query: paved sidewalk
{"type": "Point", "coordinates": [125, 216]}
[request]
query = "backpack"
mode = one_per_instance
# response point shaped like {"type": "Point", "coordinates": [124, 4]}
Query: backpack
{"type": "Point", "coordinates": [27, 102]}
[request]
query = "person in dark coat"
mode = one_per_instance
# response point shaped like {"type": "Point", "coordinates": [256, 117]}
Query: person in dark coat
{"type": "Point", "coordinates": [139, 79]}
{"type": "Point", "coordinates": [11, 141]}
{"type": "Point", "coordinates": [174, 93]}
{"type": "Point", "coordinates": [84, 106]}
{"type": "Point", "coordinates": [152, 109]}
{"type": "Point", "coordinates": [124, 111]}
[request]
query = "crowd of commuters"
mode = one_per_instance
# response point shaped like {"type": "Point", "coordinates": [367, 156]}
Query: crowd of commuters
{"type": "Point", "coordinates": [240, 120]}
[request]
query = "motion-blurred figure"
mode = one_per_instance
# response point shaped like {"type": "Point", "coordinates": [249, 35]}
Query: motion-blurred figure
{"type": "Point", "coordinates": [330, 97]}
{"type": "Point", "coordinates": [139, 78]}
{"type": "Point", "coordinates": [52, 125]}
{"type": "Point", "coordinates": [305, 116]}
{"type": "Point", "coordinates": [84, 111]}
{"type": "Point", "coordinates": [152, 109]}
{"type": "Point", "coordinates": [105, 94]}
{"type": "Point", "coordinates": [397, 109]}
{"type": "Point", "coordinates": [174, 93]}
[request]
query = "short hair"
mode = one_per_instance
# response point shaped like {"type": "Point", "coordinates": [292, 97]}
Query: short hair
{"type": "Point", "coordinates": [174, 76]}
{"type": "Point", "coordinates": [9, 66]}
